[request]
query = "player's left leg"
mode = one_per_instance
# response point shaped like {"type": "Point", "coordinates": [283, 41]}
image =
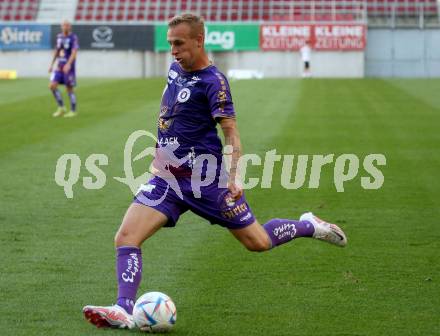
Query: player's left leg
{"type": "Point", "coordinates": [72, 98]}
{"type": "Point", "coordinates": [275, 232]}
{"type": "Point", "coordinates": [253, 237]}
{"type": "Point", "coordinates": [217, 205]}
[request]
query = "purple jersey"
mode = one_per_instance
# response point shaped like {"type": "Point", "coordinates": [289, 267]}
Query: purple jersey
{"type": "Point", "coordinates": [191, 102]}
{"type": "Point", "coordinates": [65, 46]}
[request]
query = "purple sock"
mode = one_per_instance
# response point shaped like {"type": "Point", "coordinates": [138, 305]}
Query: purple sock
{"type": "Point", "coordinates": [129, 273]}
{"type": "Point", "coordinates": [72, 98]}
{"type": "Point", "coordinates": [281, 231]}
{"type": "Point", "coordinates": [57, 94]}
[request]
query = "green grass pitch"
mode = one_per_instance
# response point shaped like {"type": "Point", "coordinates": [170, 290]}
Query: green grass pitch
{"type": "Point", "coordinates": [57, 254]}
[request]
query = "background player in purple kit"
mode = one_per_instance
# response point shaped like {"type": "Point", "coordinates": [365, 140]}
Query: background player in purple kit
{"type": "Point", "coordinates": [196, 98]}
{"type": "Point", "coordinates": [65, 53]}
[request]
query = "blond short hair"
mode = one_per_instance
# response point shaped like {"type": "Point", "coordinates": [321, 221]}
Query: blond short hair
{"type": "Point", "coordinates": [195, 22]}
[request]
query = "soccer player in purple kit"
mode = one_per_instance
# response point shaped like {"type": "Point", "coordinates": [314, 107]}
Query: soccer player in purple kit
{"type": "Point", "coordinates": [65, 53]}
{"type": "Point", "coordinates": [196, 98]}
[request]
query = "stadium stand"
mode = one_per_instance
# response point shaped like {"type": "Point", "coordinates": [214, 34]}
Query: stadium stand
{"type": "Point", "coordinates": [18, 10]}
{"type": "Point", "coordinates": [218, 10]}
{"type": "Point", "coordinates": [253, 10]}
{"type": "Point", "coordinates": [234, 10]}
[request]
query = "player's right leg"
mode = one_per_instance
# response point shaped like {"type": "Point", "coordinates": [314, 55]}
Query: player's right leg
{"type": "Point", "coordinates": [140, 222]}
{"type": "Point", "coordinates": [53, 86]}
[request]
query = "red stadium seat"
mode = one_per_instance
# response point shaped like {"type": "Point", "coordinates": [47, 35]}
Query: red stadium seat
{"type": "Point", "coordinates": [245, 10]}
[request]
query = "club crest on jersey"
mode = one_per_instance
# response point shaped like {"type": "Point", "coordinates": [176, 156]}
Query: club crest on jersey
{"type": "Point", "coordinates": [183, 95]}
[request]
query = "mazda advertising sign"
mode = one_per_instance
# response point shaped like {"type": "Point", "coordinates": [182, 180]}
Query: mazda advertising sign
{"type": "Point", "coordinates": [112, 37]}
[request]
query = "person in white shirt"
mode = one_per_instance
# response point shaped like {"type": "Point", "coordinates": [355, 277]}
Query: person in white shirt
{"type": "Point", "coordinates": [306, 52]}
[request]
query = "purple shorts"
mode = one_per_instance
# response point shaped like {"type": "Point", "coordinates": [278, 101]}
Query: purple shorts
{"type": "Point", "coordinates": [215, 203]}
{"type": "Point", "coordinates": [60, 77]}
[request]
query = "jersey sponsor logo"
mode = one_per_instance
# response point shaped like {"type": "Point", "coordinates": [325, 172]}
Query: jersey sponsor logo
{"type": "Point", "coordinates": [191, 83]}
{"type": "Point", "coordinates": [172, 74]}
{"type": "Point", "coordinates": [180, 81]}
{"type": "Point", "coordinates": [66, 44]}
{"type": "Point", "coordinates": [133, 267]}
{"type": "Point", "coordinates": [286, 229]}
{"type": "Point", "coordinates": [245, 217]}
{"type": "Point", "coordinates": [183, 95]}
{"type": "Point", "coordinates": [236, 211]}
{"type": "Point", "coordinates": [229, 208]}
{"type": "Point", "coordinates": [168, 141]}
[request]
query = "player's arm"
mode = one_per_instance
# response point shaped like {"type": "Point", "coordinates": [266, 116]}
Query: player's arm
{"type": "Point", "coordinates": [232, 138]}
{"type": "Point", "coordinates": [72, 57]}
{"type": "Point", "coordinates": [54, 57]}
